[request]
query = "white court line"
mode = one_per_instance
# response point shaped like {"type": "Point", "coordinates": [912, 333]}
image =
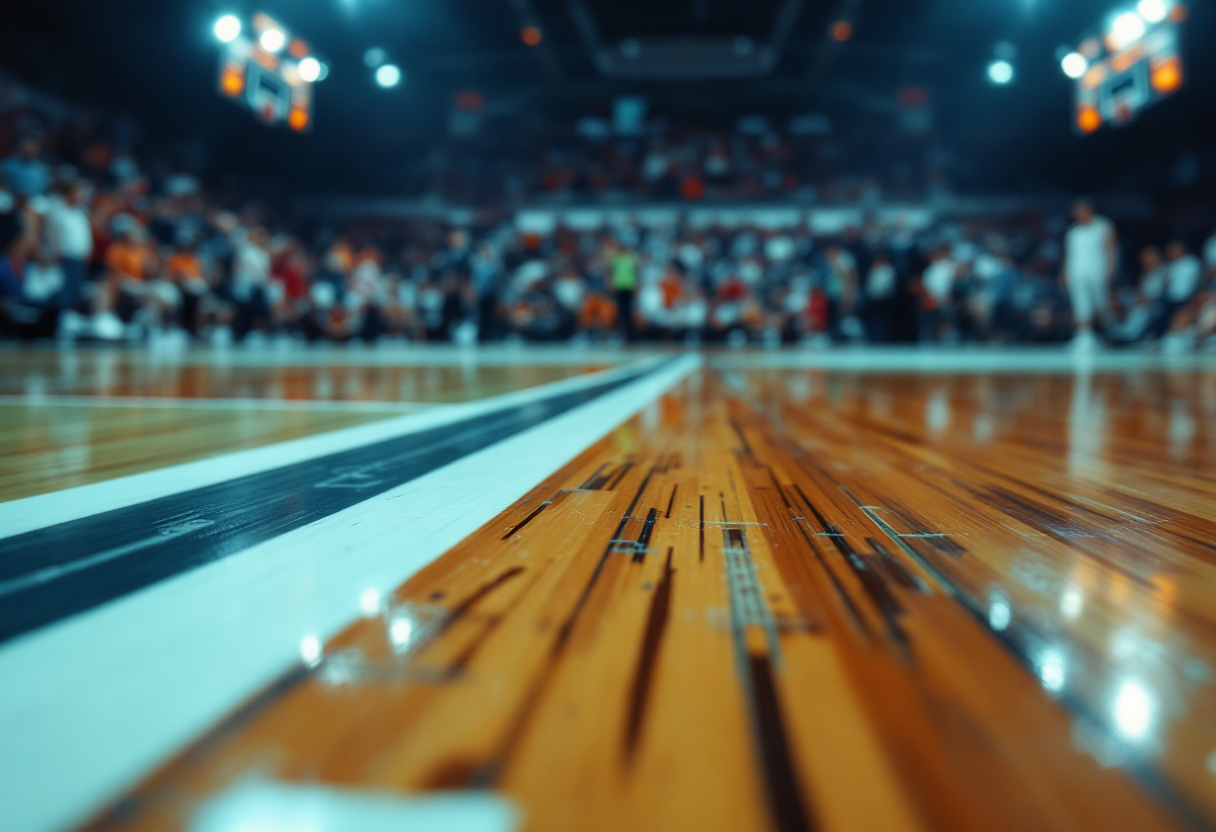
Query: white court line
{"type": "Point", "coordinates": [290, 807]}
{"type": "Point", "coordinates": [93, 703]}
{"type": "Point", "coordinates": [965, 358]}
{"type": "Point", "coordinates": [29, 513]}
{"type": "Point", "coordinates": [171, 403]}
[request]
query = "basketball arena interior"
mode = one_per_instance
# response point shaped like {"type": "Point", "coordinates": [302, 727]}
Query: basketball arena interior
{"type": "Point", "coordinates": [607, 415]}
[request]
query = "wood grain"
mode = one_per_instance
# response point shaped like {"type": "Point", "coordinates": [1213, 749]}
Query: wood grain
{"type": "Point", "coordinates": [795, 601]}
{"type": "Point", "coordinates": [46, 448]}
{"type": "Point", "coordinates": [218, 375]}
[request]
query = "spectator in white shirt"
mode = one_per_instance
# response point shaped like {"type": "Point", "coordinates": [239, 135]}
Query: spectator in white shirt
{"type": "Point", "coordinates": [1190, 302]}
{"type": "Point", "coordinates": [251, 281]}
{"type": "Point", "coordinates": [937, 310]}
{"type": "Point", "coordinates": [1183, 274]}
{"type": "Point", "coordinates": [251, 267]}
{"type": "Point", "coordinates": [1144, 314]}
{"type": "Point", "coordinates": [70, 240]}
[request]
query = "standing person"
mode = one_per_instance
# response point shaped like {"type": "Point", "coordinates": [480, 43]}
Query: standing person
{"type": "Point", "coordinates": [624, 284]}
{"type": "Point", "coordinates": [1089, 267]}
{"type": "Point", "coordinates": [70, 241]}
{"type": "Point", "coordinates": [486, 271]}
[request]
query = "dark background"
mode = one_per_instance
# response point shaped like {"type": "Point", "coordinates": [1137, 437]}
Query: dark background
{"type": "Point", "coordinates": [156, 60]}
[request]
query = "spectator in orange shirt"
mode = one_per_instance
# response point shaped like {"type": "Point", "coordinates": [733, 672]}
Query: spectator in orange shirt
{"type": "Point", "coordinates": [185, 271]}
{"type": "Point", "coordinates": [672, 287]}
{"type": "Point", "coordinates": [184, 268]}
{"type": "Point", "coordinates": [128, 257]}
{"type": "Point", "coordinates": [131, 271]}
{"type": "Point", "coordinates": [598, 314]}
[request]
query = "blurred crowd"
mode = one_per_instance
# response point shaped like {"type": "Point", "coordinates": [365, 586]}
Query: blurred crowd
{"type": "Point", "coordinates": [94, 245]}
{"type": "Point", "coordinates": [753, 161]}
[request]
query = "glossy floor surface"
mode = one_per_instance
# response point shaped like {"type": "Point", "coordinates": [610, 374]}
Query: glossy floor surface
{"type": "Point", "coordinates": [795, 599]}
{"type": "Point", "coordinates": [73, 418]}
{"type": "Point", "coordinates": [357, 376]}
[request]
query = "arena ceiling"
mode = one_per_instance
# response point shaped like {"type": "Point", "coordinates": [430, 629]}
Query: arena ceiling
{"type": "Point", "coordinates": [698, 59]}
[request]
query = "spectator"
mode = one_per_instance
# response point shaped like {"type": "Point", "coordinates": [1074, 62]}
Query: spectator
{"type": "Point", "coordinates": [69, 237]}
{"type": "Point", "coordinates": [1183, 277]}
{"type": "Point", "coordinates": [841, 287]}
{"type": "Point", "coordinates": [487, 274]}
{"type": "Point", "coordinates": [129, 261]}
{"type": "Point", "coordinates": [1144, 311]}
{"type": "Point", "coordinates": [184, 270]}
{"type": "Point", "coordinates": [251, 283]}
{"type": "Point", "coordinates": [1184, 273]}
{"type": "Point", "coordinates": [1209, 256]}
{"type": "Point", "coordinates": [880, 289]}
{"type": "Point", "coordinates": [937, 307]}
{"type": "Point", "coordinates": [624, 286]}
{"type": "Point", "coordinates": [27, 175]}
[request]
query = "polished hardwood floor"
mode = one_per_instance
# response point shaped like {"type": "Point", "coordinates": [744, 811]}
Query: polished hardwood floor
{"type": "Point", "coordinates": [47, 447]}
{"type": "Point", "coordinates": [796, 600]}
{"type": "Point", "coordinates": [346, 377]}
{"type": "Point", "coordinates": [74, 418]}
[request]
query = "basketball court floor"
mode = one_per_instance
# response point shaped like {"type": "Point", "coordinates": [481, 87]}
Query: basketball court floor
{"type": "Point", "coordinates": [607, 590]}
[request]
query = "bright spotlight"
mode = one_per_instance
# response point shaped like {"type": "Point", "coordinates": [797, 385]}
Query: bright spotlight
{"type": "Point", "coordinates": [1154, 11]}
{"type": "Point", "coordinates": [1074, 64]}
{"type": "Point", "coordinates": [227, 28]}
{"type": "Point", "coordinates": [1126, 29]}
{"type": "Point", "coordinates": [388, 76]}
{"type": "Point", "coordinates": [309, 69]}
{"type": "Point", "coordinates": [1000, 72]}
{"type": "Point", "coordinates": [272, 40]}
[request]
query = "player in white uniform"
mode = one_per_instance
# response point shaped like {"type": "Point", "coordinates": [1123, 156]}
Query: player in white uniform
{"type": "Point", "coordinates": [1089, 267]}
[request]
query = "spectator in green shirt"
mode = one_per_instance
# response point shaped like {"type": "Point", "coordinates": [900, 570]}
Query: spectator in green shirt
{"type": "Point", "coordinates": [624, 283]}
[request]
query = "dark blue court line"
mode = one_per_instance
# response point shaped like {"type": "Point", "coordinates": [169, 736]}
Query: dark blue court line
{"type": "Point", "coordinates": [54, 572]}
